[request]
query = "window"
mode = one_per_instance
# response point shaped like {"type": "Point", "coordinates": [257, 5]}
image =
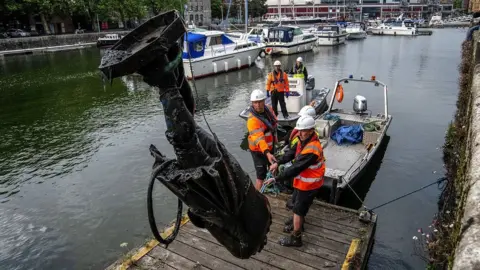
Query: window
{"type": "Point", "coordinates": [297, 32]}
{"type": "Point", "coordinates": [201, 17]}
{"type": "Point", "coordinates": [201, 7]}
{"type": "Point", "coordinates": [191, 17]}
{"type": "Point", "coordinates": [196, 8]}
{"type": "Point", "coordinates": [290, 35]}
{"type": "Point", "coordinates": [215, 40]}
{"type": "Point", "coordinates": [198, 46]}
{"type": "Point", "coordinates": [196, 17]}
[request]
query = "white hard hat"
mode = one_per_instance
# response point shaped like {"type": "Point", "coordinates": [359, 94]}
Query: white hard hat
{"type": "Point", "coordinates": [299, 59]}
{"type": "Point", "coordinates": [305, 122]}
{"type": "Point", "coordinates": [277, 63]}
{"type": "Point", "coordinates": [257, 95]}
{"type": "Point", "coordinates": [307, 110]}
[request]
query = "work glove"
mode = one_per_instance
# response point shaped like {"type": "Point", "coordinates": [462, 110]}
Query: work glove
{"type": "Point", "coordinates": [268, 93]}
{"type": "Point", "coordinates": [287, 94]}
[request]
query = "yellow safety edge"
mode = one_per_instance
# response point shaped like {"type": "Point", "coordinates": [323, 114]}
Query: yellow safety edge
{"type": "Point", "coordinates": [150, 245]}
{"type": "Point", "coordinates": [352, 251]}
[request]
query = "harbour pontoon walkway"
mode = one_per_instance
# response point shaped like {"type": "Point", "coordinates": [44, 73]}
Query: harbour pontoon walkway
{"type": "Point", "coordinates": [334, 238]}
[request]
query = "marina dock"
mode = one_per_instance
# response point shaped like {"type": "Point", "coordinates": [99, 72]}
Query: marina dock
{"type": "Point", "coordinates": [334, 238]}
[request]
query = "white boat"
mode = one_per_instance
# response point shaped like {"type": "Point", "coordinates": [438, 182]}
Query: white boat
{"type": "Point", "coordinates": [288, 40]}
{"type": "Point", "coordinates": [211, 52]}
{"type": "Point", "coordinates": [256, 34]}
{"type": "Point", "coordinates": [356, 31]}
{"type": "Point", "coordinates": [301, 94]}
{"type": "Point", "coordinates": [436, 21]}
{"type": "Point", "coordinates": [108, 40]}
{"type": "Point", "coordinates": [294, 20]}
{"type": "Point", "coordinates": [329, 35]}
{"type": "Point", "coordinates": [350, 139]}
{"type": "Point", "coordinates": [396, 28]}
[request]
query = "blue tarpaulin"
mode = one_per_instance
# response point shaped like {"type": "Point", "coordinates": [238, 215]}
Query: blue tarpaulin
{"type": "Point", "coordinates": [348, 134]}
{"type": "Point", "coordinates": [196, 45]}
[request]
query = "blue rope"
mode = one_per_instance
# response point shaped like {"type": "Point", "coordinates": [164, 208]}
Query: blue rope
{"type": "Point", "coordinates": [270, 187]}
{"type": "Point", "coordinates": [329, 116]}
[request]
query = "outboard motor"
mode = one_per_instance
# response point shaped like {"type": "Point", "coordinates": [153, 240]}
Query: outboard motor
{"type": "Point", "coordinates": [310, 82]}
{"type": "Point", "coordinates": [359, 104]}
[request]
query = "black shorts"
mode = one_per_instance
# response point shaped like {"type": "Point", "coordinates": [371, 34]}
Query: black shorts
{"type": "Point", "coordinates": [302, 200]}
{"type": "Point", "coordinates": [260, 162]}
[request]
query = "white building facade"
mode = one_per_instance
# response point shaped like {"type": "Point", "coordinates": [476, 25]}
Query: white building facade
{"type": "Point", "coordinates": [370, 8]}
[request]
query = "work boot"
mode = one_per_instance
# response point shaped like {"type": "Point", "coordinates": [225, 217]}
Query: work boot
{"type": "Point", "coordinates": [289, 228]}
{"type": "Point", "coordinates": [289, 221]}
{"type": "Point", "coordinates": [293, 240]}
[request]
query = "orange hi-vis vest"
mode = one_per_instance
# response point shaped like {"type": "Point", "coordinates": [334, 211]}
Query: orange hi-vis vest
{"type": "Point", "coordinates": [279, 82]}
{"type": "Point", "coordinates": [312, 177]}
{"type": "Point", "coordinates": [260, 136]}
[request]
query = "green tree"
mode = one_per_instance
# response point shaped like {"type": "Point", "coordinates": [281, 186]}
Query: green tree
{"type": "Point", "coordinates": [216, 7]}
{"type": "Point", "coordinates": [47, 8]}
{"type": "Point", "coordinates": [457, 4]}
{"type": "Point", "coordinates": [164, 5]}
{"type": "Point", "coordinates": [257, 8]}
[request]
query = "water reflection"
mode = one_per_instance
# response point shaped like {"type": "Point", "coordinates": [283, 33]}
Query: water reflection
{"type": "Point", "coordinates": [362, 187]}
{"type": "Point", "coordinates": [75, 153]}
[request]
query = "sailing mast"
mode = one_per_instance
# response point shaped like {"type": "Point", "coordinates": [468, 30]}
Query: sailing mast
{"type": "Point", "coordinates": [280, 11]}
{"type": "Point", "coordinates": [246, 16]}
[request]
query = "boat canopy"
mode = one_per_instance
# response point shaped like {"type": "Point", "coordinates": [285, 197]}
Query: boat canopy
{"type": "Point", "coordinates": [195, 43]}
{"type": "Point", "coordinates": [282, 34]}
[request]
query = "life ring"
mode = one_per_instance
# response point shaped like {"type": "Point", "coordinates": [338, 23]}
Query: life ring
{"type": "Point", "coordinates": [262, 54]}
{"type": "Point", "coordinates": [339, 93]}
{"type": "Point", "coordinates": [268, 50]}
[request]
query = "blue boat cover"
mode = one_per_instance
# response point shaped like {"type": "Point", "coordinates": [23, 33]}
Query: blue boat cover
{"type": "Point", "coordinates": [194, 41]}
{"type": "Point", "coordinates": [348, 134]}
{"type": "Point", "coordinates": [226, 40]}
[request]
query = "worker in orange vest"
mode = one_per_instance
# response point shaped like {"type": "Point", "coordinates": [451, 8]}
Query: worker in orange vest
{"type": "Point", "coordinates": [291, 141]}
{"type": "Point", "coordinates": [277, 86]}
{"type": "Point", "coordinates": [262, 129]}
{"type": "Point", "coordinates": [308, 170]}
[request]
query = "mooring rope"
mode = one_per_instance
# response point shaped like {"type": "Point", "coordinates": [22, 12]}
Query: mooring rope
{"type": "Point", "coordinates": [438, 181]}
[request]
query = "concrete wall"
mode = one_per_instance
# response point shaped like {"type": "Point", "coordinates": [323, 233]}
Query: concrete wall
{"type": "Point", "coordinates": [467, 252]}
{"type": "Point", "coordinates": [46, 41]}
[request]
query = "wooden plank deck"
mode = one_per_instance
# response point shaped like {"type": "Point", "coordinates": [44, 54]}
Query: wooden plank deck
{"type": "Point", "coordinates": [334, 238]}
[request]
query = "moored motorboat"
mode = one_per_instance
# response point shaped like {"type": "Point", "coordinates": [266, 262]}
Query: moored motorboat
{"type": "Point", "coordinates": [349, 139]}
{"type": "Point", "coordinates": [329, 34]}
{"type": "Point", "coordinates": [108, 40]}
{"type": "Point", "coordinates": [285, 40]}
{"type": "Point", "coordinates": [356, 31]}
{"type": "Point", "coordinates": [301, 94]}
{"type": "Point", "coordinates": [396, 28]}
{"type": "Point", "coordinates": [212, 52]}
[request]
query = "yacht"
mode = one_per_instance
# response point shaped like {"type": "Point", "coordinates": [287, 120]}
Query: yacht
{"type": "Point", "coordinates": [356, 31]}
{"type": "Point", "coordinates": [288, 40]}
{"type": "Point", "coordinates": [396, 28]}
{"type": "Point", "coordinates": [329, 35]}
{"type": "Point", "coordinates": [210, 52]}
